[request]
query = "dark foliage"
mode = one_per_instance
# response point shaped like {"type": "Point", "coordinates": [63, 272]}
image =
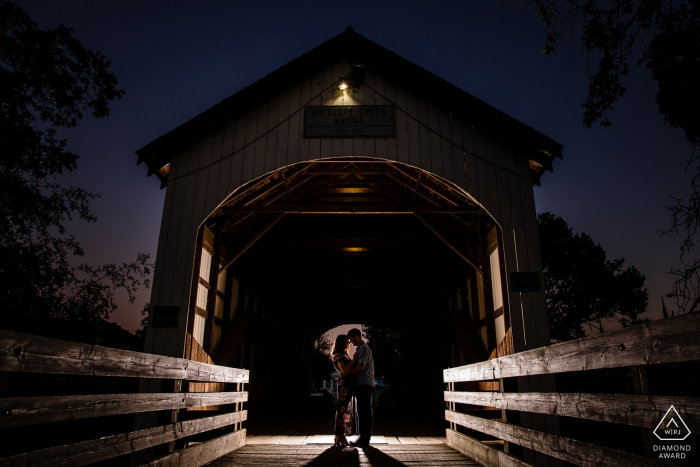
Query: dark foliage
{"type": "Point", "coordinates": [50, 81]}
{"type": "Point", "coordinates": [665, 35]}
{"type": "Point", "coordinates": [321, 366]}
{"type": "Point", "coordinates": [387, 358]}
{"type": "Point", "coordinates": [582, 286]}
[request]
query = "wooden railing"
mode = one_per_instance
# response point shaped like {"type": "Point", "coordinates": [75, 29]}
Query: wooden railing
{"type": "Point", "coordinates": [664, 341]}
{"type": "Point", "coordinates": [32, 354]}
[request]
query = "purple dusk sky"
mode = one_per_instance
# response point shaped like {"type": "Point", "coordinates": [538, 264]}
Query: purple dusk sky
{"type": "Point", "coordinates": [177, 59]}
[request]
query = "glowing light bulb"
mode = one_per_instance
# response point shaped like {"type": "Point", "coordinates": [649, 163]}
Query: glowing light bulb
{"type": "Point", "coordinates": [343, 86]}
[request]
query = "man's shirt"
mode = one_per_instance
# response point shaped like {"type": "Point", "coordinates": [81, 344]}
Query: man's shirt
{"type": "Point", "coordinates": [365, 357]}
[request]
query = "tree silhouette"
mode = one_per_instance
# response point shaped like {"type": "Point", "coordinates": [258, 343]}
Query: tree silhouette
{"type": "Point", "coordinates": [320, 360]}
{"type": "Point", "coordinates": [50, 81]}
{"type": "Point", "coordinates": [387, 358]}
{"type": "Point", "coordinates": [583, 287]}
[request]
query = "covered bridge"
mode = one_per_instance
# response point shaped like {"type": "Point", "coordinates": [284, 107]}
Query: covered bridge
{"type": "Point", "coordinates": [348, 186]}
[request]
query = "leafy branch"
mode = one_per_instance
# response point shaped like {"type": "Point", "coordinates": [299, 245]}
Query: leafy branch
{"type": "Point", "coordinates": [665, 35]}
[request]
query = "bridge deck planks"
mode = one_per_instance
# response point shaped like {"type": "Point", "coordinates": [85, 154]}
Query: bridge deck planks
{"type": "Point", "coordinates": [415, 455]}
{"type": "Point", "coordinates": [397, 430]}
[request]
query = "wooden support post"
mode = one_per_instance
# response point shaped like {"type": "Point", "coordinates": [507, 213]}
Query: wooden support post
{"type": "Point", "coordinates": [208, 343]}
{"type": "Point", "coordinates": [194, 287]}
{"type": "Point", "coordinates": [488, 290]}
{"type": "Point", "coordinates": [504, 279]}
{"type": "Point", "coordinates": [641, 386]}
{"type": "Point", "coordinates": [226, 318]}
{"type": "Point", "coordinates": [474, 304]}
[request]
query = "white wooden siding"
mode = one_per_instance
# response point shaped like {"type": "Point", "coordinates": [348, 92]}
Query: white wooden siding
{"type": "Point", "coordinates": [497, 291]}
{"type": "Point", "coordinates": [198, 331]}
{"type": "Point", "coordinates": [270, 135]}
{"type": "Point", "coordinates": [202, 298]}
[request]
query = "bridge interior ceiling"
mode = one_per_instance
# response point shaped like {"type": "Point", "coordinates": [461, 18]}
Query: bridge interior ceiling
{"type": "Point", "coordinates": [351, 240]}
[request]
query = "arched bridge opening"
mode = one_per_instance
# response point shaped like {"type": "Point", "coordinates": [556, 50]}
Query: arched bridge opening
{"type": "Point", "coordinates": [347, 240]}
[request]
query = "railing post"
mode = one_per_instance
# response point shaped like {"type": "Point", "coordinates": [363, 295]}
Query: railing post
{"type": "Point", "coordinates": [174, 413]}
{"type": "Point", "coordinates": [503, 412]}
{"type": "Point", "coordinates": [641, 386]}
{"type": "Point", "coordinates": [451, 387]}
{"type": "Point", "coordinates": [239, 388]}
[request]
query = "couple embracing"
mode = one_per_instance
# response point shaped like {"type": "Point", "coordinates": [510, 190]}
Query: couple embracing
{"type": "Point", "coordinates": [356, 379]}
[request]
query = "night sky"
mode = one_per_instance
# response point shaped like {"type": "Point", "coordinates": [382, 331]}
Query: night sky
{"type": "Point", "coordinates": [177, 59]}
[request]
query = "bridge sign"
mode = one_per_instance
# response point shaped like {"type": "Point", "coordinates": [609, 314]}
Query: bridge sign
{"type": "Point", "coordinates": [348, 121]}
{"type": "Point", "coordinates": [525, 282]}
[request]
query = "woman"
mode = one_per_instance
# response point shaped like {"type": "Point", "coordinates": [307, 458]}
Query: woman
{"type": "Point", "coordinates": [344, 419]}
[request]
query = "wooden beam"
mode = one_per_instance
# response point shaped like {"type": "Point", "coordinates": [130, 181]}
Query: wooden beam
{"type": "Point", "coordinates": [351, 199]}
{"type": "Point", "coordinates": [250, 243]}
{"type": "Point", "coordinates": [35, 354]}
{"type": "Point", "coordinates": [661, 341]}
{"type": "Point", "coordinates": [448, 243]}
{"type": "Point", "coordinates": [22, 411]}
{"type": "Point", "coordinates": [627, 409]}
{"type": "Point", "coordinates": [238, 224]}
{"type": "Point", "coordinates": [350, 181]}
{"type": "Point", "coordinates": [340, 242]}
{"type": "Point", "coordinates": [286, 185]}
{"type": "Point", "coordinates": [436, 187]}
{"type": "Point", "coordinates": [402, 184]}
{"type": "Point", "coordinates": [95, 450]}
{"type": "Point", "coordinates": [297, 183]}
{"type": "Point", "coordinates": [261, 190]}
{"type": "Point", "coordinates": [241, 197]}
{"type": "Point", "coordinates": [567, 449]}
{"type": "Point", "coordinates": [482, 453]}
{"type": "Point", "coordinates": [365, 170]}
{"type": "Point", "coordinates": [340, 209]}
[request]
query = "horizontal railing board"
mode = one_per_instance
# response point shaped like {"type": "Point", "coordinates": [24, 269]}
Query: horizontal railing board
{"type": "Point", "coordinates": [197, 371]}
{"type": "Point", "coordinates": [34, 354]}
{"type": "Point", "coordinates": [627, 409]}
{"type": "Point", "coordinates": [482, 453]}
{"type": "Point", "coordinates": [661, 341]}
{"type": "Point", "coordinates": [567, 449]}
{"type": "Point", "coordinates": [19, 411]}
{"type": "Point", "coordinates": [204, 453]}
{"type": "Point", "coordinates": [87, 452]}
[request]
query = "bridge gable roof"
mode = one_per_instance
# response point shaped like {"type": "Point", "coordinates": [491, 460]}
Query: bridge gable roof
{"type": "Point", "coordinates": [350, 45]}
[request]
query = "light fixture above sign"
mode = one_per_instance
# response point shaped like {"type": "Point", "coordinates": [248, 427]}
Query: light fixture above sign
{"type": "Point", "coordinates": [343, 84]}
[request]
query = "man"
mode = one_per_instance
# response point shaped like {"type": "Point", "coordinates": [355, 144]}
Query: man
{"type": "Point", "coordinates": [364, 386]}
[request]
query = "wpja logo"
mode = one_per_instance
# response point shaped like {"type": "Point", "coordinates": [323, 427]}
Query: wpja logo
{"type": "Point", "coordinates": [671, 428]}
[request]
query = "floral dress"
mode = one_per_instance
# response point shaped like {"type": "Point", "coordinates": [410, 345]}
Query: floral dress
{"type": "Point", "coordinates": [344, 414]}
